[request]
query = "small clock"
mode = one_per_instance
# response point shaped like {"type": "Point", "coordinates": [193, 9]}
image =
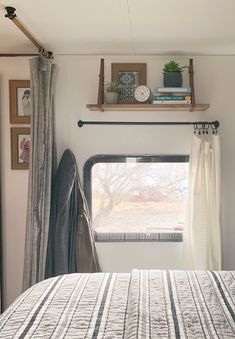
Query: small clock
{"type": "Point", "coordinates": [142, 94]}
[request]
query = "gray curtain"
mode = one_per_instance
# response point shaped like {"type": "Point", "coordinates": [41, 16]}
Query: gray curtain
{"type": "Point", "coordinates": [1, 250]}
{"type": "Point", "coordinates": [41, 169]}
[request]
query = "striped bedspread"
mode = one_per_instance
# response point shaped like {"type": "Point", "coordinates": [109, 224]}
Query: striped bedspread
{"type": "Point", "coordinates": [144, 304]}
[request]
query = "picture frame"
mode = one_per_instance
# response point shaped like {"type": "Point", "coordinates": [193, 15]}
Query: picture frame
{"type": "Point", "coordinates": [20, 148]}
{"type": "Point", "coordinates": [20, 101]}
{"type": "Point", "coordinates": [129, 76]}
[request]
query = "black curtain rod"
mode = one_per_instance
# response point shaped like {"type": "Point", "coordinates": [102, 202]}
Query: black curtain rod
{"type": "Point", "coordinates": [202, 124]}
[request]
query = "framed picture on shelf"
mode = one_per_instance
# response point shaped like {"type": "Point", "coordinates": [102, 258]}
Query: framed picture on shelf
{"type": "Point", "coordinates": [20, 101]}
{"type": "Point", "coordinates": [129, 76]}
{"type": "Point", "coordinates": [20, 148]}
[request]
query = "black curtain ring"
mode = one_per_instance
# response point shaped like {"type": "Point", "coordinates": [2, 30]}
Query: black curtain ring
{"type": "Point", "coordinates": [214, 128]}
{"type": "Point", "coordinates": [206, 127]}
{"type": "Point", "coordinates": [200, 127]}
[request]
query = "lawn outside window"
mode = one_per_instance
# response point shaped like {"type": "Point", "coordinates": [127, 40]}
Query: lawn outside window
{"type": "Point", "coordinates": [137, 197]}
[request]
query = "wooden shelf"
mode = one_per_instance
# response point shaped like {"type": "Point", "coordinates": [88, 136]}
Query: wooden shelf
{"type": "Point", "coordinates": [147, 107]}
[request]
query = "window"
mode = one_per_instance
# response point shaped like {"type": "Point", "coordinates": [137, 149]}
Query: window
{"type": "Point", "coordinates": [137, 197]}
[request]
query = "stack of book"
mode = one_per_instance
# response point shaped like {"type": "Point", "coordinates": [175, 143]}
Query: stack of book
{"type": "Point", "coordinates": [172, 95]}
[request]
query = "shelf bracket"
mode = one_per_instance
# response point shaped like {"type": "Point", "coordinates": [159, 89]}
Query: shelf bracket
{"type": "Point", "coordinates": [100, 99]}
{"type": "Point", "coordinates": [191, 81]}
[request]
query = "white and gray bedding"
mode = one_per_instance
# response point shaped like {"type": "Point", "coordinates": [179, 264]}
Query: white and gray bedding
{"type": "Point", "coordinates": [144, 304]}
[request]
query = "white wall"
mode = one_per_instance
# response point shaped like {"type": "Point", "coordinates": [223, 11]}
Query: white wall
{"type": "Point", "coordinates": [14, 186]}
{"type": "Point", "coordinates": [77, 86]}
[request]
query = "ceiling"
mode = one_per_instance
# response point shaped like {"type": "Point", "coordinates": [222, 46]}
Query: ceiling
{"type": "Point", "coordinates": [122, 26]}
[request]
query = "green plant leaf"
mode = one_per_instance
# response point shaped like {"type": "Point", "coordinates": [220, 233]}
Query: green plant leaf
{"type": "Point", "coordinates": [172, 66]}
{"type": "Point", "coordinates": [113, 87]}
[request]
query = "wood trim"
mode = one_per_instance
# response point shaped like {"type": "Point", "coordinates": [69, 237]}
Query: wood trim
{"type": "Point", "coordinates": [148, 107]}
{"type": "Point", "coordinates": [12, 55]}
{"type": "Point", "coordinates": [13, 86]}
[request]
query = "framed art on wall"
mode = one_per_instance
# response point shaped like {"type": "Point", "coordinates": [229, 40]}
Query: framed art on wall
{"type": "Point", "coordinates": [20, 148]}
{"type": "Point", "coordinates": [129, 76]}
{"type": "Point", "coordinates": [20, 101]}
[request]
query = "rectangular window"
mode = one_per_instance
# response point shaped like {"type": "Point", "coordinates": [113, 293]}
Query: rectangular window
{"type": "Point", "coordinates": [136, 198]}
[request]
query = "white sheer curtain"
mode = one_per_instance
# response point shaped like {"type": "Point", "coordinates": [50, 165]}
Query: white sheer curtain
{"type": "Point", "coordinates": [202, 240]}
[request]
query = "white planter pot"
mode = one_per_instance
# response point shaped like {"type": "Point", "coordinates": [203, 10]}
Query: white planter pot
{"type": "Point", "coordinates": [111, 97]}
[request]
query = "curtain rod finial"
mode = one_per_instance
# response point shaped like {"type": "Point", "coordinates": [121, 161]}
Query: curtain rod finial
{"type": "Point", "coordinates": [46, 54]}
{"type": "Point", "coordinates": [50, 55]}
{"type": "Point", "coordinates": [80, 123]}
{"type": "Point", "coordinates": [10, 12]}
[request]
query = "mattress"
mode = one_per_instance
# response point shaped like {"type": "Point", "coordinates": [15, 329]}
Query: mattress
{"type": "Point", "coordinates": [143, 304]}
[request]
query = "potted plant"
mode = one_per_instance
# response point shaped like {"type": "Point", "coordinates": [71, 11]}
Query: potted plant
{"type": "Point", "coordinates": [172, 74]}
{"type": "Point", "coordinates": [112, 91]}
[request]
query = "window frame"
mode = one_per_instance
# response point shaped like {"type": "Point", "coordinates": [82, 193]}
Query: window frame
{"type": "Point", "coordinates": [117, 158]}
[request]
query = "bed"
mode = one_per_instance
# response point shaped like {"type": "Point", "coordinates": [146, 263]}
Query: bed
{"type": "Point", "coordinates": [143, 304]}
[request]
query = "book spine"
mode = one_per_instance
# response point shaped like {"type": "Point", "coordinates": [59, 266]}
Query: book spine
{"type": "Point", "coordinates": [171, 94]}
{"type": "Point", "coordinates": [173, 89]}
{"type": "Point", "coordinates": [171, 102]}
{"type": "Point", "coordinates": [172, 97]}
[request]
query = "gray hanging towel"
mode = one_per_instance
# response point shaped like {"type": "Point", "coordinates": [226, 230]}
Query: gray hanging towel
{"type": "Point", "coordinates": [71, 246]}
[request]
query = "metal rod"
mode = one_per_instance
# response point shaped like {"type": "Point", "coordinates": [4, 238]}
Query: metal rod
{"type": "Point", "coordinates": [214, 124]}
{"type": "Point", "coordinates": [13, 17]}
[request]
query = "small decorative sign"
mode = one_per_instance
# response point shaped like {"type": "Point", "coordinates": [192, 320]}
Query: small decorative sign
{"type": "Point", "coordinates": [129, 76]}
